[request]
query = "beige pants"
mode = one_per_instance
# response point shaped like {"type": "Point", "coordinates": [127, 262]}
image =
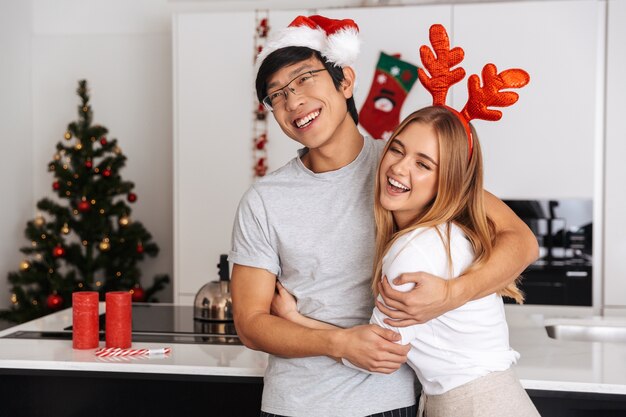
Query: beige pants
{"type": "Point", "coordinates": [497, 394]}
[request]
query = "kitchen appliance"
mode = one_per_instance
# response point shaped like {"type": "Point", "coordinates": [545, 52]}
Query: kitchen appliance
{"type": "Point", "coordinates": [213, 305]}
{"type": "Point", "coordinates": [563, 273]}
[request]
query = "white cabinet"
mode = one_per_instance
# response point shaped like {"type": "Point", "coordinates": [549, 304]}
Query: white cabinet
{"type": "Point", "coordinates": [543, 146]}
{"type": "Point", "coordinates": [213, 114]}
{"type": "Point", "coordinates": [212, 129]}
{"type": "Point", "coordinates": [615, 169]}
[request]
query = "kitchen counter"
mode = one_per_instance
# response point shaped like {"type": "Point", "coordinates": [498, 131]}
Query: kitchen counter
{"type": "Point", "coordinates": [185, 359]}
{"type": "Point", "coordinates": [546, 365]}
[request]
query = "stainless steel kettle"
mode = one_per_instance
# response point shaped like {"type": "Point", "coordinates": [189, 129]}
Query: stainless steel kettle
{"type": "Point", "coordinates": [213, 301]}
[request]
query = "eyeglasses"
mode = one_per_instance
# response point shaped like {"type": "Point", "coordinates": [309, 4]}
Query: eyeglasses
{"type": "Point", "coordinates": [300, 84]}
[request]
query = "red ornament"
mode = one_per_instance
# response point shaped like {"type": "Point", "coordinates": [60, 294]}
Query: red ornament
{"type": "Point", "coordinates": [56, 185]}
{"type": "Point", "coordinates": [54, 301]}
{"type": "Point", "coordinates": [260, 142]}
{"type": "Point", "coordinates": [58, 251]}
{"type": "Point", "coordinates": [106, 173]}
{"type": "Point", "coordinates": [103, 141]}
{"type": "Point", "coordinates": [138, 294]}
{"type": "Point", "coordinates": [84, 206]}
{"type": "Point", "coordinates": [132, 197]}
{"type": "Point", "coordinates": [263, 28]}
{"type": "Point", "coordinates": [261, 112]}
{"type": "Point", "coordinates": [88, 164]}
{"type": "Point", "coordinates": [260, 169]}
{"type": "Point", "coordinates": [139, 248]}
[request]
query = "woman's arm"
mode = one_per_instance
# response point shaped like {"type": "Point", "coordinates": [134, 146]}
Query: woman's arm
{"type": "Point", "coordinates": [284, 305]}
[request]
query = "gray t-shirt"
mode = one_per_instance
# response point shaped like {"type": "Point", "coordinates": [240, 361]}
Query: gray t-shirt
{"type": "Point", "coordinates": [316, 233]}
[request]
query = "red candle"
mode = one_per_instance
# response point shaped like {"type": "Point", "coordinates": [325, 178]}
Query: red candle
{"type": "Point", "coordinates": [118, 319]}
{"type": "Point", "coordinates": [85, 320]}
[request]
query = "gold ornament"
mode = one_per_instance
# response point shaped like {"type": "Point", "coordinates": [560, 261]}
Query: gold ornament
{"type": "Point", "coordinates": [79, 146]}
{"type": "Point", "coordinates": [34, 302]}
{"type": "Point", "coordinates": [98, 283]}
{"type": "Point", "coordinates": [93, 138]}
{"type": "Point", "coordinates": [57, 156]}
{"type": "Point", "coordinates": [43, 235]}
{"type": "Point", "coordinates": [85, 243]}
{"type": "Point", "coordinates": [93, 202]}
{"type": "Point", "coordinates": [101, 211]}
{"type": "Point", "coordinates": [75, 212]}
{"type": "Point", "coordinates": [124, 221]}
{"type": "Point", "coordinates": [65, 229]}
{"type": "Point", "coordinates": [76, 176]}
{"type": "Point", "coordinates": [39, 257]}
{"type": "Point", "coordinates": [118, 274]}
{"type": "Point", "coordinates": [64, 166]}
{"type": "Point", "coordinates": [51, 167]}
{"type": "Point", "coordinates": [68, 135]}
{"type": "Point", "coordinates": [69, 183]}
{"type": "Point", "coordinates": [80, 285]}
{"type": "Point", "coordinates": [96, 170]}
{"type": "Point", "coordinates": [117, 150]}
{"type": "Point", "coordinates": [85, 109]}
{"type": "Point", "coordinates": [68, 193]}
{"type": "Point", "coordinates": [105, 245]}
{"type": "Point", "coordinates": [39, 221]}
{"type": "Point", "coordinates": [14, 298]}
{"type": "Point", "coordinates": [24, 265]}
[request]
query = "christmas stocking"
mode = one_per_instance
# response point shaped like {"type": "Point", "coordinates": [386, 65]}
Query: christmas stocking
{"type": "Point", "coordinates": [392, 82]}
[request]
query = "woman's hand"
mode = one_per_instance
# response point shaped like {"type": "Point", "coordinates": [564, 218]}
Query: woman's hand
{"type": "Point", "coordinates": [429, 298]}
{"type": "Point", "coordinates": [284, 304]}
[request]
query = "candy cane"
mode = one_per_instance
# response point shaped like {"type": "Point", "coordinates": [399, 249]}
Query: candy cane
{"type": "Point", "coordinates": [108, 352]}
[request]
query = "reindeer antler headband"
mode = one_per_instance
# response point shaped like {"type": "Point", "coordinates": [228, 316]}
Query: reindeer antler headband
{"type": "Point", "coordinates": [442, 77]}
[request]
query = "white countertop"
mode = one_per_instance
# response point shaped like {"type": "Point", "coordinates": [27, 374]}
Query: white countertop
{"type": "Point", "coordinates": [545, 363]}
{"type": "Point", "coordinates": [185, 359]}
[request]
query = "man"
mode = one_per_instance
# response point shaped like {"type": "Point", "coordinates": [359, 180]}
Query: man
{"type": "Point", "coordinates": [311, 224]}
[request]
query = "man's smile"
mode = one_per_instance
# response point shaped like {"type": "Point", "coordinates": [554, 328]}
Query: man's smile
{"type": "Point", "coordinates": [306, 120]}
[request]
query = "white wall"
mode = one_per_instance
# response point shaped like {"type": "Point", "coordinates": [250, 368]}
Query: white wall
{"type": "Point", "coordinates": [123, 48]}
{"type": "Point", "coordinates": [16, 174]}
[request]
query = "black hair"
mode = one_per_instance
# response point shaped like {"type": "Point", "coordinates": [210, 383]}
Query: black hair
{"type": "Point", "coordinates": [292, 55]}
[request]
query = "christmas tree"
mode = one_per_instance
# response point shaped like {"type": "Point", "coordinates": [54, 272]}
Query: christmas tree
{"type": "Point", "coordinates": [88, 243]}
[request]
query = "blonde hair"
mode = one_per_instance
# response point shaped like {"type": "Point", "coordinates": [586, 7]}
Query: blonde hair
{"type": "Point", "coordinates": [459, 197]}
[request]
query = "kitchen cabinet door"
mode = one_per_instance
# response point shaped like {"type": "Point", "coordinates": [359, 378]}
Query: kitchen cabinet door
{"type": "Point", "coordinates": [615, 169]}
{"type": "Point", "coordinates": [213, 111]}
{"type": "Point", "coordinates": [543, 147]}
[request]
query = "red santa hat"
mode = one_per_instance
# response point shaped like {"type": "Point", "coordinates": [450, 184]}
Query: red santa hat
{"type": "Point", "coordinates": [337, 40]}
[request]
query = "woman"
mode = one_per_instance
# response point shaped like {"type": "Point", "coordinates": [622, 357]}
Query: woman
{"type": "Point", "coordinates": [430, 216]}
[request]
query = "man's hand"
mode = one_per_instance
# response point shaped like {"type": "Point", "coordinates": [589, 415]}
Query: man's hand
{"type": "Point", "coordinates": [427, 300]}
{"type": "Point", "coordinates": [372, 348]}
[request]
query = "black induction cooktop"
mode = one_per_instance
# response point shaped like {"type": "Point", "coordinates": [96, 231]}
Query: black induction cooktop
{"type": "Point", "coordinates": [157, 323]}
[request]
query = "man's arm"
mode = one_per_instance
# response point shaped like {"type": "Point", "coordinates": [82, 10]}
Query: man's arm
{"type": "Point", "coordinates": [516, 248]}
{"type": "Point", "coordinates": [369, 347]}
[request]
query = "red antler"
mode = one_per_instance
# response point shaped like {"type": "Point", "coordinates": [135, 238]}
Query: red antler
{"type": "Point", "coordinates": [442, 76]}
{"type": "Point", "coordinates": [480, 98]}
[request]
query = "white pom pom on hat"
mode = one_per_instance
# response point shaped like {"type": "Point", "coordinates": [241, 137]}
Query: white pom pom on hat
{"type": "Point", "coordinates": [337, 40]}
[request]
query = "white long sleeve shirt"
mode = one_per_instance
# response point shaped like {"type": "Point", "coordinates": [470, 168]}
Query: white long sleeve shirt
{"type": "Point", "coordinates": [460, 345]}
